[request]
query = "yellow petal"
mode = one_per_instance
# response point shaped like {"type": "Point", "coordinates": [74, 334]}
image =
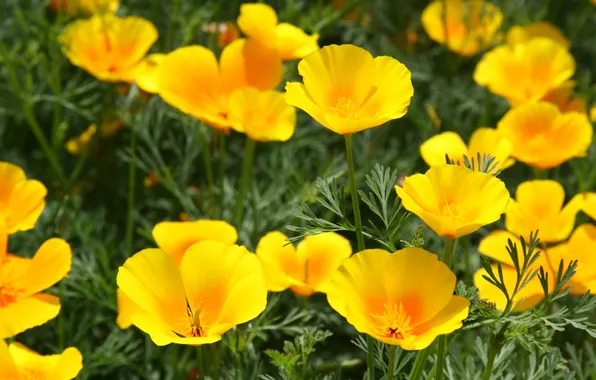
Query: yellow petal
{"type": "Point", "coordinates": [50, 264]}
{"type": "Point", "coordinates": [494, 245]}
{"type": "Point", "coordinates": [64, 366]}
{"type": "Point", "coordinates": [145, 73]}
{"type": "Point", "coordinates": [433, 150]}
{"type": "Point", "coordinates": [529, 296]}
{"type": "Point", "coordinates": [521, 34]}
{"type": "Point", "coordinates": [581, 247]}
{"type": "Point", "coordinates": [258, 21]}
{"type": "Point", "coordinates": [491, 141]}
{"type": "Point", "coordinates": [27, 313]}
{"type": "Point", "coordinates": [126, 308]}
{"type": "Point", "coordinates": [176, 237]}
{"type": "Point", "coordinates": [8, 367]}
{"type": "Point", "coordinates": [293, 43]}
{"type": "Point", "coordinates": [589, 204]}
{"type": "Point", "coordinates": [297, 96]}
{"type": "Point", "coordinates": [279, 262]}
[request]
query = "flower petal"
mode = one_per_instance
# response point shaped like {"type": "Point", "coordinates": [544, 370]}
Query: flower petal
{"type": "Point", "coordinates": [297, 96]}
{"type": "Point", "coordinates": [281, 266]}
{"type": "Point", "coordinates": [258, 21]}
{"type": "Point", "coordinates": [491, 141]}
{"type": "Point", "coordinates": [433, 150]}
{"type": "Point", "coordinates": [27, 313]}
{"type": "Point", "coordinates": [529, 296]}
{"type": "Point", "coordinates": [146, 73]}
{"type": "Point", "coordinates": [293, 42]}
{"type": "Point", "coordinates": [50, 264]}
{"type": "Point", "coordinates": [8, 367]}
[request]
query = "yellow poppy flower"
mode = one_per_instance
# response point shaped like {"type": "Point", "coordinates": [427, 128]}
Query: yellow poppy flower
{"type": "Point", "coordinates": [495, 246]}
{"type": "Point", "coordinates": [538, 205]}
{"type": "Point", "coordinates": [176, 237]}
{"type": "Point", "coordinates": [581, 246]}
{"type": "Point", "coordinates": [483, 141]}
{"type": "Point", "coordinates": [471, 25]}
{"type": "Point", "coordinates": [87, 7]}
{"type": "Point", "coordinates": [453, 200]}
{"type": "Point", "coordinates": [525, 72]}
{"type": "Point", "coordinates": [22, 306]}
{"type": "Point", "coordinates": [521, 34]}
{"type": "Point", "coordinates": [20, 363]}
{"type": "Point", "coordinates": [259, 22]}
{"type": "Point", "coordinates": [107, 46]}
{"type": "Point", "coordinates": [543, 136]}
{"type": "Point", "coordinates": [563, 98]}
{"type": "Point", "coordinates": [347, 90]}
{"type": "Point", "coordinates": [589, 204]}
{"type": "Point", "coordinates": [405, 298]}
{"type": "Point", "coordinates": [262, 115]}
{"type": "Point", "coordinates": [21, 200]}
{"type": "Point", "coordinates": [306, 269]}
{"type": "Point", "coordinates": [126, 308]}
{"type": "Point", "coordinates": [216, 287]}
{"type": "Point", "coordinates": [145, 73]}
{"type": "Point", "coordinates": [190, 79]}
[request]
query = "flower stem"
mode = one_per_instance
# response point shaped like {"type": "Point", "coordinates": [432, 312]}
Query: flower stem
{"type": "Point", "coordinates": [419, 364]}
{"type": "Point", "coordinates": [441, 357]}
{"type": "Point", "coordinates": [391, 368]}
{"type": "Point", "coordinates": [249, 155]}
{"type": "Point", "coordinates": [448, 253]}
{"type": "Point", "coordinates": [132, 173]}
{"type": "Point", "coordinates": [222, 170]}
{"type": "Point", "coordinates": [200, 364]}
{"type": "Point", "coordinates": [494, 349]}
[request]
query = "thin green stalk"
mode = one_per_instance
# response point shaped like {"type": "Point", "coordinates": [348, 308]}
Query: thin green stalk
{"type": "Point", "coordinates": [200, 364]}
{"type": "Point", "coordinates": [249, 155]}
{"type": "Point", "coordinates": [441, 357]}
{"type": "Point", "coordinates": [61, 317]}
{"type": "Point", "coordinates": [495, 347]}
{"type": "Point", "coordinates": [449, 248]}
{"type": "Point", "coordinates": [206, 148]}
{"type": "Point", "coordinates": [419, 364]}
{"type": "Point", "coordinates": [132, 171]}
{"type": "Point", "coordinates": [222, 172]}
{"type": "Point", "coordinates": [391, 368]}
{"type": "Point", "coordinates": [173, 18]}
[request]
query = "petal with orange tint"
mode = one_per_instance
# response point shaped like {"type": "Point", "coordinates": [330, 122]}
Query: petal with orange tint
{"type": "Point", "coordinates": [279, 262]}
{"type": "Point", "coordinates": [8, 367]}
{"type": "Point", "coordinates": [50, 264]}
{"type": "Point", "coordinates": [26, 313]}
{"type": "Point", "coordinates": [293, 43]}
{"type": "Point", "coordinates": [433, 150]}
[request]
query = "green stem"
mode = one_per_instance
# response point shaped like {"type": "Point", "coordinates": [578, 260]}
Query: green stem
{"type": "Point", "coordinates": [441, 357]}
{"type": "Point", "coordinates": [391, 368]}
{"type": "Point", "coordinates": [419, 364]}
{"type": "Point", "coordinates": [495, 347]}
{"type": "Point", "coordinates": [449, 248]}
{"type": "Point", "coordinates": [200, 364]}
{"type": "Point", "coordinates": [170, 31]}
{"type": "Point", "coordinates": [222, 172]}
{"type": "Point", "coordinates": [354, 193]}
{"type": "Point", "coordinates": [61, 317]}
{"type": "Point", "coordinates": [208, 167]}
{"type": "Point", "coordinates": [249, 155]}
{"type": "Point", "coordinates": [132, 171]}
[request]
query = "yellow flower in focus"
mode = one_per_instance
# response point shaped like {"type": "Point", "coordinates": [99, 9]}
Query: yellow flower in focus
{"type": "Point", "coordinates": [405, 298]}
{"type": "Point", "coordinates": [216, 287]}
{"type": "Point", "coordinates": [262, 115]}
{"type": "Point", "coordinates": [20, 363]}
{"type": "Point", "coordinates": [190, 78]}
{"type": "Point", "coordinates": [494, 246]}
{"type": "Point", "coordinates": [176, 237]}
{"type": "Point", "coordinates": [259, 22]}
{"type": "Point", "coordinates": [145, 73]}
{"type": "Point", "coordinates": [306, 269]}
{"type": "Point", "coordinates": [522, 34]}
{"type": "Point", "coordinates": [22, 306]}
{"type": "Point", "coordinates": [543, 137]}
{"type": "Point", "coordinates": [21, 200]}
{"type": "Point", "coordinates": [107, 46]}
{"type": "Point", "coordinates": [453, 200]}
{"type": "Point", "coordinates": [126, 308]}
{"type": "Point", "coordinates": [471, 25]}
{"type": "Point", "coordinates": [525, 72]}
{"type": "Point", "coordinates": [347, 90]}
{"type": "Point", "coordinates": [563, 98]}
{"type": "Point", "coordinates": [483, 141]}
{"type": "Point", "coordinates": [538, 205]}
{"type": "Point", "coordinates": [86, 7]}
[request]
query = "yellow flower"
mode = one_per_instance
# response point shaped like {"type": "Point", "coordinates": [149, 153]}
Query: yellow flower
{"type": "Point", "coordinates": [21, 200]}
{"type": "Point", "coordinates": [538, 205]}
{"type": "Point", "coordinates": [494, 246]}
{"type": "Point", "coordinates": [176, 237]}
{"type": "Point", "coordinates": [21, 363]}
{"type": "Point", "coordinates": [87, 7]}
{"type": "Point", "coordinates": [543, 137]}
{"type": "Point", "coordinates": [190, 79]}
{"type": "Point", "coordinates": [593, 114]}
{"type": "Point", "coordinates": [306, 269]}
{"type": "Point", "coordinates": [521, 34]}
{"type": "Point", "coordinates": [347, 90]}
{"type": "Point", "coordinates": [563, 98]}
{"type": "Point", "coordinates": [79, 144]}
{"type": "Point", "coordinates": [262, 115]}
{"type": "Point", "coordinates": [259, 22]}
{"type": "Point", "coordinates": [405, 298]}
{"type": "Point", "coordinates": [22, 306]}
{"type": "Point", "coordinates": [525, 72]}
{"type": "Point", "coordinates": [216, 287]}
{"type": "Point", "coordinates": [589, 204]}
{"type": "Point", "coordinates": [145, 73]}
{"type": "Point", "coordinates": [471, 25]}
{"type": "Point", "coordinates": [126, 308]}
{"type": "Point", "coordinates": [107, 46]}
{"type": "Point", "coordinates": [483, 141]}
{"type": "Point", "coordinates": [453, 200]}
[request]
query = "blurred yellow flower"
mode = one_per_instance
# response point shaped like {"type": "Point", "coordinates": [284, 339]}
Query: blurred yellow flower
{"type": "Point", "coordinates": [79, 144]}
{"type": "Point", "coordinates": [22, 306]}
{"type": "Point", "coordinates": [306, 269]}
{"type": "Point", "coordinates": [495, 246]}
{"type": "Point", "coordinates": [471, 25]}
{"type": "Point", "coordinates": [190, 79]}
{"type": "Point", "coordinates": [21, 363]}
{"type": "Point", "coordinates": [21, 200]}
{"type": "Point", "coordinates": [347, 90]}
{"type": "Point", "coordinates": [563, 98]}
{"type": "Point", "coordinates": [521, 34]}
{"type": "Point", "coordinates": [259, 22]}
{"type": "Point", "coordinates": [526, 71]}
{"type": "Point", "coordinates": [87, 7]}
{"type": "Point", "coordinates": [538, 205]}
{"type": "Point", "coordinates": [216, 287]}
{"type": "Point", "coordinates": [589, 204]}
{"type": "Point", "coordinates": [453, 200]}
{"type": "Point", "coordinates": [543, 137]}
{"type": "Point", "coordinates": [483, 141]}
{"type": "Point", "coordinates": [107, 46]}
{"type": "Point", "coordinates": [593, 114]}
{"type": "Point", "coordinates": [262, 115]}
{"type": "Point", "coordinates": [145, 73]}
{"type": "Point", "coordinates": [405, 298]}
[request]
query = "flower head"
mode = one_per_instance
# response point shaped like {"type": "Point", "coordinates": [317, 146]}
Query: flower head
{"type": "Point", "coordinates": [543, 136]}
{"type": "Point", "coordinates": [21, 363]}
{"type": "Point", "coordinates": [525, 72]}
{"type": "Point", "coordinates": [190, 78]}
{"type": "Point", "coordinates": [216, 287]}
{"type": "Point", "coordinates": [347, 90]}
{"type": "Point", "coordinates": [483, 141]}
{"type": "Point", "coordinates": [521, 34]}
{"type": "Point", "coordinates": [405, 298]}
{"type": "Point", "coordinates": [453, 200]}
{"type": "Point", "coordinates": [306, 269]}
{"type": "Point", "coordinates": [471, 25]}
{"type": "Point", "coordinates": [538, 206]}
{"type": "Point", "coordinates": [107, 46]}
{"type": "Point", "coordinates": [259, 22]}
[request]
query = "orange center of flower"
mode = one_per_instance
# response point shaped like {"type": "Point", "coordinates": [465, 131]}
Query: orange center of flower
{"type": "Point", "coordinates": [193, 326]}
{"type": "Point", "coordinates": [345, 107]}
{"type": "Point", "coordinates": [394, 322]}
{"type": "Point", "coordinates": [8, 295]}
{"type": "Point", "coordinates": [451, 210]}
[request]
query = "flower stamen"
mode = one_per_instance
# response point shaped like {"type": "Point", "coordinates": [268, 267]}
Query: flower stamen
{"type": "Point", "coordinates": [394, 322]}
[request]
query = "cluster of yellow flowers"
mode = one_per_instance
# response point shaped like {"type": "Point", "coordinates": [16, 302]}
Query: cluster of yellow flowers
{"type": "Point", "coordinates": [22, 280]}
